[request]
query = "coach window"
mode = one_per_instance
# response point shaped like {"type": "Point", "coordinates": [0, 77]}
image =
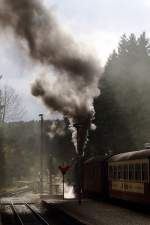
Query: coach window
{"type": "Point", "coordinates": [110, 172]}
{"type": "Point", "coordinates": [115, 172]}
{"type": "Point", "coordinates": [119, 172]}
{"type": "Point", "coordinates": [126, 172]}
{"type": "Point", "coordinates": [138, 172]}
{"type": "Point", "coordinates": [144, 171]}
{"type": "Point", "coordinates": [131, 172]}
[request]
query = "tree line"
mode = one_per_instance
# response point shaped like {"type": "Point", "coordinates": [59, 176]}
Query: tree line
{"type": "Point", "coordinates": [20, 150]}
{"type": "Point", "coordinates": [11, 109]}
{"type": "Point", "coordinates": [123, 108]}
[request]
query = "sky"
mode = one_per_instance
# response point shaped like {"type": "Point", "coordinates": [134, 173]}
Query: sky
{"type": "Point", "coordinates": [96, 24]}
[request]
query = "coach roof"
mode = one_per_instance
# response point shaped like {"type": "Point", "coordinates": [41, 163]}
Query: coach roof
{"type": "Point", "coordinates": [96, 159]}
{"type": "Point", "coordinates": [141, 154]}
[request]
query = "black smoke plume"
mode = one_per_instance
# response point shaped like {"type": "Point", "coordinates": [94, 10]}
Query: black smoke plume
{"type": "Point", "coordinates": [77, 73]}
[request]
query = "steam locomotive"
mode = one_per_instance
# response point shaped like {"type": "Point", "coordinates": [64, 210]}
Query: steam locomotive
{"type": "Point", "coordinates": [123, 176]}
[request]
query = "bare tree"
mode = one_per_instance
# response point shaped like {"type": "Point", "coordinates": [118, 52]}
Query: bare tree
{"type": "Point", "coordinates": [11, 104]}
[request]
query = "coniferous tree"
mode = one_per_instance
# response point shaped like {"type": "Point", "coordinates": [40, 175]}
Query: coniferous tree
{"type": "Point", "coordinates": [123, 109]}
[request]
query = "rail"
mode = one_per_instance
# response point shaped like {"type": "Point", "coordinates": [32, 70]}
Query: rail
{"type": "Point", "coordinates": [39, 217]}
{"type": "Point", "coordinates": [19, 217]}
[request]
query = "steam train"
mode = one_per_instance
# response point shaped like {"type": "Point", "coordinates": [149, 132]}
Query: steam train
{"type": "Point", "coordinates": [123, 176]}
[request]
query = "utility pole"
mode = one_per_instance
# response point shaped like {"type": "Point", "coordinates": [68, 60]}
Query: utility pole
{"type": "Point", "coordinates": [41, 152]}
{"type": "Point", "coordinates": [2, 105]}
{"type": "Point", "coordinates": [50, 175]}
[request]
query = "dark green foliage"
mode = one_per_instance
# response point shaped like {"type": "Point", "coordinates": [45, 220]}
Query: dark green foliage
{"type": "Point", "coordinates": [2, 158]}
{"type": "Point", "coordinates": [123, 109]}
{"type": "Point", "coordinates": [21, 150]}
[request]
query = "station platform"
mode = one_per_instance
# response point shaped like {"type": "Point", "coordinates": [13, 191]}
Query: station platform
{"type": "Point", "coordinates": [92, 212]}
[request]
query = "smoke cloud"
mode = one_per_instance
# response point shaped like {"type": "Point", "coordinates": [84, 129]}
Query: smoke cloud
{"type": "Point", "coordinates": [55, 128]}
{"type": "Point", "coordinates": [76, 73]}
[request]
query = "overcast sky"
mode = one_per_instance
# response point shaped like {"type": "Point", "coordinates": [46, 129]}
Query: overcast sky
{"type": "Point", "coordinates": [95, 23]}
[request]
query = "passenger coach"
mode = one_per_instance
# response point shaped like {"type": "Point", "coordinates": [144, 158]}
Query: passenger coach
{"type": "Point", "coordinates": [95, 176]}
{"type": "Point", "coordinates": [128, 176]}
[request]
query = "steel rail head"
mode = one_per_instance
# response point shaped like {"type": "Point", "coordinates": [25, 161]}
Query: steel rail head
{"type": "Point", "coordinates": [19, 221]}
{"type": "Point", "coordinates": [40, 218]}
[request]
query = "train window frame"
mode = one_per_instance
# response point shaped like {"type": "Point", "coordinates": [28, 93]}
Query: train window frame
{"type": "Point", "coordinates": [115, 174]}
{"type": "Point", "coordinates": [119, 172]}
{"type": "Point", "coordinates": [138, 169]}
{"type": "Point", "coordinates": [146, 178]}
{"type": "Point", "coordinates": [131, 174]}
{"type": "Point", "coordinates": [125, 172]}
{"type": "Point", "coordinates": [119, 167]}
{"type": "Point", "coordinates": [110, 171]}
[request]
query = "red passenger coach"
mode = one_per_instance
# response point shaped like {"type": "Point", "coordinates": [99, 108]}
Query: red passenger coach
{"type": "Point", "coordinates": [128, 176]}
{"type": "Point", "coordinates": [95, 176]}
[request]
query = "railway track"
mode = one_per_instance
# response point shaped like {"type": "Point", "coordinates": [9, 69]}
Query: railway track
{"type": "Point", "coordinates": [22, 214]}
